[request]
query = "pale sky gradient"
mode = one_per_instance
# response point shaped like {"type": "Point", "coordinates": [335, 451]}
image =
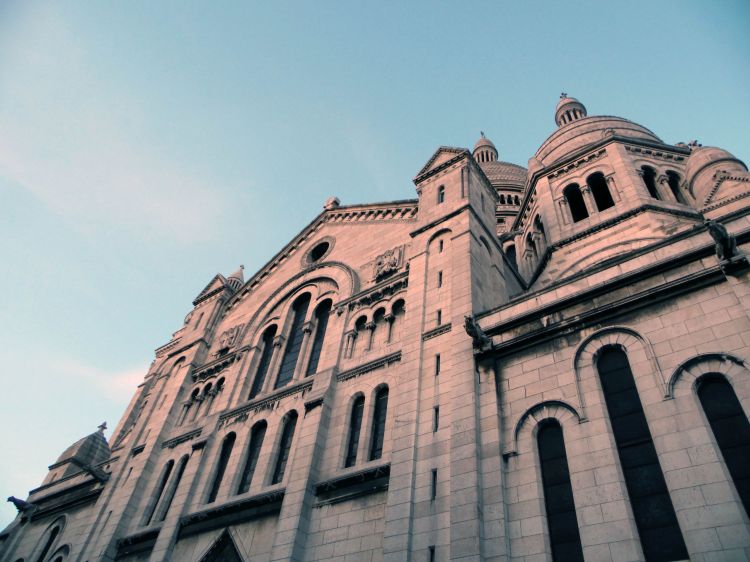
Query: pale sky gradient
{"type": "Point", "coordinates": [145, 146]}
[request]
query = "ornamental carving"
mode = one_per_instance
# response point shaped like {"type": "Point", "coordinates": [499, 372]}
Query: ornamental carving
{"type": "Point", "coordinates": [228, 338]}
{"type": "Point", "coordinates": [388, 263]}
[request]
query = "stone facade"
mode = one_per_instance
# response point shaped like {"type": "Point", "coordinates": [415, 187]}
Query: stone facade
{"type": "Point", "coordinates": [379, 389]}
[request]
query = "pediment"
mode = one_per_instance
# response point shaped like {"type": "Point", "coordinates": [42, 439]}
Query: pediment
{"type": "Point", "coordinates": [442, 155]}
{"type": "Point", "coordinates": [223, 550]}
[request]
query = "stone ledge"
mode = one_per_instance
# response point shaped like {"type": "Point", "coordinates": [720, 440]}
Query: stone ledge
{"type": "Point", "coordinates": [371, 366]}
{"type": "Point", "coordinates": [353, 484]}
{"type": "Point", "coordinates": [138, 543]}
{"type": "Point", "coordinates": [439, 331]}
{"type": "Point", "coordinates": [231, 513]}
{"type": "Point", "coordinates": [240, 414]}
{"type": "Point", "coordinates": [190, 435]}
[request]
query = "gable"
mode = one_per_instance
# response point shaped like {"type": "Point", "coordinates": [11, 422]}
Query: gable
{"type": "Point", "coordinates": [223, 550]}
{"type": "Point", "coordinates": [216, 284]}
{"type": "Point", "coordinates": [442, 155]}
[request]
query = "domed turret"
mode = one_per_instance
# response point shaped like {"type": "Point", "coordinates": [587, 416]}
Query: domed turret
{"type": "Point", "coordinates": [702, 165]}
{"type": "Point", "coordinates": [568, 110]}
{"type": "Point", "coordinates": [237, 279]}
{"type": "Point", "coordinates": [484, 150]}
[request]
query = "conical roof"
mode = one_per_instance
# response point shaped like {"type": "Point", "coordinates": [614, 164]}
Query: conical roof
{"type": "Point", "coordinates": [91, 450]}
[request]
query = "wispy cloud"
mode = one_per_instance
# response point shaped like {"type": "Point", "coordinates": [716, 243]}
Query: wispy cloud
{"type": "Point", "coordinates": [114, 385]}
{"type": "Point", "coordinates": [87, 149]}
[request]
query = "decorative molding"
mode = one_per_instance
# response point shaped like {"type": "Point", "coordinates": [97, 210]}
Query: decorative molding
{"type": "Point", "coordinates": [140, 542]}
{"type": "Point", "coordinates": [241, 414]}
{"type": "Point", "coordinates": [353, 484]}
{"type": "Point", "coordinates": [137, 450]}
{"type": "Point", "coordinates": [214, 367]}
{"type": "Point", "coordinates": [160, 351]}
{"type": "Point", "coordinates": [591, 157]}
{"type": "Point", "coordinates": [720, 177]}
{"type": "Point", "coordinates": [655, 153]}
{"type": "Point", "coordinates": [368, 367]}
{"type": "Point", "coordinates": [189, 436]}
{"type": "Point", "coordinates": [375, 293]}
{"type": "Point", "coordinates": [231, 513]}
{"type": "Point", "coordinates": [403, 212]}
{"type": "Point", "coordinates": [228, 339]}
{"type": "Point", "coordinates": [439, 331]}
{"type": "Point", "coordinates": [727, 201]}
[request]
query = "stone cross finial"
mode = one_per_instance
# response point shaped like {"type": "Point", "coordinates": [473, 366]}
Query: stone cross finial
{"type": "Point", "coordinates": [103, 426]}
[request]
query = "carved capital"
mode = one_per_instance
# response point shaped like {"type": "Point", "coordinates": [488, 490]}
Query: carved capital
{"type": "Point", "coordinates": [308, 326]}
{"type": "Point", "coordinates": [278, 341]}
{"type": "Point", "coordinates": [389, 318]}
{"type": "Point", "coordinates": [370, 326]}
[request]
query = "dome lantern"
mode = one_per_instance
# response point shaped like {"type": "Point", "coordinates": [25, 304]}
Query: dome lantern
{"type": "Point", "coordinates": [568, 110]}
{"type": "Point", "coordinates": [484, 150]}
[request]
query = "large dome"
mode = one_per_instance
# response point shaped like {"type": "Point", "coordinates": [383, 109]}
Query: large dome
{"type": "Point", "coordinates": [505, 174]}
{"type": "Point", "coordinates": [586, 131]}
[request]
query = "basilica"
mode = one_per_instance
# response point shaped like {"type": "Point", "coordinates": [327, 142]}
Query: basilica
{"type": "Point", "coordinates": [542, 363]}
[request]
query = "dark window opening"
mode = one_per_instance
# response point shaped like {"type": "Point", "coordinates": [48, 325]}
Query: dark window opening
{"type": "Point", "coordinates": [435, 418]}
{"type": "Point", "coordinates": [257, 435]}
{"type": "Point", "coordinates": [437, 364]}
{"type": "Point", "coordinates": [321, 324]}
{"type": "Point", "coordinates": [158, 492]}
{"type": "Point", "coordinates": [378, 423]}
{"type": "Point", "coordinates": [294, 345]}
{"type": "Point", "coordinates": [574, 197]}
{"type": "Point", "coordinates": [51, 539]}
{"type": "Point", "coordinates": [433, 484]}
{"type": "Point", "coordinates": [731, 430]}
{"type": "Point", "coordinates": [439, 317]}
{"type": "Point", "coordinates": [600, 190]}
{"type": "Point", "coordinates": [673, 180]}
{"type": "Point", "coordinates": [173, 488]}
{"type": "Point", "coordinates": [265, 362]}
{"type": "Point", "coordinates": [654, 513]}
{"type": "Point", "coordinates": [284, 447]}
{"type": "Point", "coordinates": [319, 251]}
{"type": "Point", "coordinates": [649, 179]}
{"type": "Point", "coordinates": [226, 452]}
{"type": "Point", "coordinates": [432, 553]}
{"type": "Point", "coordinates": [510, 252]}
{"type": "Point", "coordinates": [565, 538]}
{"type": "Point", "coordinates": [441, 195]}
{"type": "Point", "coordinates": [440, 279]}
{"type": "Point", "coordinates": [355, 426]}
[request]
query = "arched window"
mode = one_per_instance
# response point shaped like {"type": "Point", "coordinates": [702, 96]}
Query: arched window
{"type": "Point", "coordinates": [257, 435]}
{"type": "Point", "coordinates": [574, 197]}
{"type": "Point", "coordinates": [731, 430]}
{"type": "Point", "coordinates": [360, 343]}
{"type": "Point", "coordinates": [378, 423]}
{"type": "Point", "coordinates": [517, 200]}
{"type": "Point", "coordinates": [673, 180]}
{"type": "Point", "coordinates": [48, 544]}
{"type": "Point", "coordinates": [206, 398]}
{"type": "Point", "coordinates": [378, 328]}
{"type": "Point", "coordinates": [394, 327]}
{"type": "Point", "coordinates": [173, 485]}
{"type": "Point", "coordinates": [600, 190]}
{"type": "Point", "coordinates": [265, 362]}
{"type": "Point", "coordinates": [558, 494]}
{"type": "Point", "coordinates": [192, 403]}
{"type": "Point", "coordinates": [510, 251]}
{"type": "Point", "coordinates": [285, 446]}
{"type": "Point", "coordinates": [158, 491]}
{"type": "Point", "coordinates": [224, 454]}
{"type": "Point", "coordinates": [649, 179]}
{"type": "Point", "coordinates": [294, 345]}
{"type": "Point", "coordinates": [531, 246]}
{"type": "Point", "coordinates": [321, 323]}
{"type": "Point", "coordinates": [441, 194]}
{"type": "Point", "coordinates": [502, 199]}
{"type": "Point", "coordinates": [355, 426]}
{"type": "Point", "coordinates": [654, 513]}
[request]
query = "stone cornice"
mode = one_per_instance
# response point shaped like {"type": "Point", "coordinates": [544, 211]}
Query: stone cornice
{"type": "Point", "coordinates": [239, 415]}
{"type": "Point", "coordinates": [349, 485]}
{"type": "Point", "coordinates": [378, 363]}
{"type": "Point", "coordinates": [435, 332]}
{"type": "Point", "coordinates": [377, 292]}
{"type": "Point", "coordinates": [185, 437]}
{"type": "Point", "coordinates": [212, 368]}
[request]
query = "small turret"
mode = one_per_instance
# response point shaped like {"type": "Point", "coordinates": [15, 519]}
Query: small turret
{"type": "Point", "coordinates": [236, 279]}
{"type": "Point", "coordinates": [81, 456]}
{"type": "Point", "coordinates": [484, 150]}
{"type": "Point", "coordinates": [568, 110]}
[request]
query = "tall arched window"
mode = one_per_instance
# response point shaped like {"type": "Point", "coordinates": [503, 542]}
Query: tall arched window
{"type": "Point", "coordinates": [191, 403]}
{"type": "Point", "coordinates": [257, 434]}
{"type": "Point", "coordinates": [48, 543]}
{"type": "Point", "coordinates": [673, 180]}
{"type": "Point", "coordinates": [394, 327]}
{"type": "Point", "coordinates": [172, 490]}
{"type": "Point", "coordinates": [355, 426]}
{"type": "Point", "coordinates": [360, 341]}
{"type": "Point", "coordinates": [510, 251]}
{"type": "Point", "coordinates": [600, 190]}
{"type": "Point", "coordinates": [378, 423]}
{"type": "Point", "coordinates": [265, 361]}
{"type": "Point", "coordinates": [158, 491]}
{"type": "Point", "coordinates": [441, 194]}
{"type": "Point", "coordinates": [649, 179]}
{"type": "Point", "coordinates": [226, 451]}
{"type": "Point", "coordinates": [294, 345]}
{"type": "Point", "coordinates": [285, 446]}
{"type": "Point", "coordinates": [731, 430]}
{"type": "Point", "coordinates": [574, 197]}
{"type": "Point", "coordinates": [654, 513]}
{"type": "Point", "coordinates": [558, 494]}
{"type": "Point", "coordinates": [321, 323]}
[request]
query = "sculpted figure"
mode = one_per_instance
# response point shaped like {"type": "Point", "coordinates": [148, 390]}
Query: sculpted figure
{"type": "Point", "coordinates": [479, 338]}
{"type": "Point", "coordinates": [726, 245]}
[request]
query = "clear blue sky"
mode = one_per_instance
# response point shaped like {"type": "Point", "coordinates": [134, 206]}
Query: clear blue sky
{"type": "Point", "coordinates": [145, 146]}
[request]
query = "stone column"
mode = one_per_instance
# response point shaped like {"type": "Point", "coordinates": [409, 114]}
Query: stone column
{"type": "Point", "coordinates": [389, 318]}
{"type": "Point", "coordinates": [565, 214]}
{"type": "Point", "coordinates": [303, 359]}
{"type": "Point", "coordinates": [370, 327]}
{"type": "Point", "coordinates": [588, 200]}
